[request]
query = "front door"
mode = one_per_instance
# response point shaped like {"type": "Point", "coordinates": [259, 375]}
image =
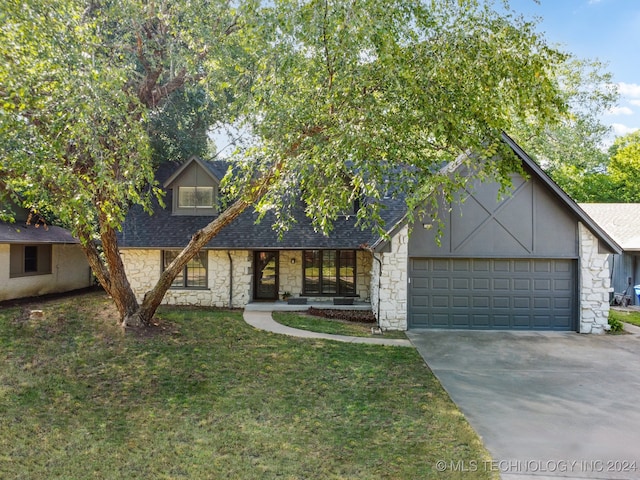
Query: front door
{"type": "Point", "coordinates": [265, 279]}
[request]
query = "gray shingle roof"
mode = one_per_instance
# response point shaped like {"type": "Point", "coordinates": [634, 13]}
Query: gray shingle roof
{"type": "Point", "coordinates": [163, 230]}
{"type": "Point", "coordinates": [620, 220]}
{"type": "Point", "coordinates": [21, 233]}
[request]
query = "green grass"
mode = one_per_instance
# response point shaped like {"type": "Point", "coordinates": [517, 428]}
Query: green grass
{"type": "Point", "coordinates": [631, 317]}
{"type": "Point", "coordinates": [335, 327]}
{"type": "Point", "coordinates": [213, 398]}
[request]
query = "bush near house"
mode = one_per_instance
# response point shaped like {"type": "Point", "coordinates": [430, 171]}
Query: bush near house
{"type": "Point", "coordinates": [626, 316]}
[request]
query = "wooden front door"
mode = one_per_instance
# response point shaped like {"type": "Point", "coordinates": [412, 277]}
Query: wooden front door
{"type": "Point", "coordinates": [265, 277]}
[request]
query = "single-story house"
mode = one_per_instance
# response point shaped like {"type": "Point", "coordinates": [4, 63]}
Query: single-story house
{"type": "Point", "coordinates": [531, 260]}
{"type": "Point", "coordinates": [37, 259]}
{"type": "Point", "coordinates": [620, 222]}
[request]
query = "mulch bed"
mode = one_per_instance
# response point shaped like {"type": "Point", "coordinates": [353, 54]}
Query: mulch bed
{"type": "Point", "coordinates": [359, 316]}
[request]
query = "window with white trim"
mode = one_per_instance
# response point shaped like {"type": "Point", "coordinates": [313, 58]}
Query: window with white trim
{"type": "Point", "coordinates": [195, 197]}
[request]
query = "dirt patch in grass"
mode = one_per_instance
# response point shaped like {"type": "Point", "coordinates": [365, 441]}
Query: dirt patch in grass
{"type": "Point", "coordinates": [356, 316]}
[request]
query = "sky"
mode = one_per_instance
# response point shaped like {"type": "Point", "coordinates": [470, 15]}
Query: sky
{"type": "Point", "coordinates": [606, 30]}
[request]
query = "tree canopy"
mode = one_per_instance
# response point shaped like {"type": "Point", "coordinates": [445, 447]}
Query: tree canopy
{"type": "Point", "coordinates": [339, 100]}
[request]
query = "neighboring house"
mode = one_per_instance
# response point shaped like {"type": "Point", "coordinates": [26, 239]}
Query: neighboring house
{"type": "Point", "coordinates": [620, 222]}
{"type": "Point", "coordinates": [530, 261]}
{"type": "Point", "coordinates": [36, 260]}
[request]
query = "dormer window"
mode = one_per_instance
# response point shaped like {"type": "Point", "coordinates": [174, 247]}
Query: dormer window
{"type": "Point", "coordinates": [195, 197]}
{"type": "Point", "coordinates": [194, 188]}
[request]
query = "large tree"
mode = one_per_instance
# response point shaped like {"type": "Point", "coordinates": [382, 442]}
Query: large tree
{"type": "Point", "coordinates": [338, 99]}
{"type": "Point", "coordinates": [572, 151]}
{"type": "Point", "coordinates": [624, 168]}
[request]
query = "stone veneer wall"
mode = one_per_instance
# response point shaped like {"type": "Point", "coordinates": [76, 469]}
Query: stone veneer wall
{"type": "Point", "coordinates": [392, 294]}
{"type": "Point", "coordinates": [143, 268]}
{"type": "Point", "coordinates": [594, 284]}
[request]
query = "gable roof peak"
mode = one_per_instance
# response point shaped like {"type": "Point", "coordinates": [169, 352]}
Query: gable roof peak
{"type": "Point", "coordinates": [194, 159]}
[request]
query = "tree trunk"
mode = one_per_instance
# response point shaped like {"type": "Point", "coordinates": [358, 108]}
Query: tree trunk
{"type": "Point", "coordinates": [153, 297]}
{"type": "Point", "coordinates": [120, 288]}
{"type": "Point", "coordinates": [111, 274]}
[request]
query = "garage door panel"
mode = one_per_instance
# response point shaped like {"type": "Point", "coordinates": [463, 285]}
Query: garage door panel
{"type": "Point", "coordinates": [522, 321]}
{"type": "Point", "coordinates": [481, 302]}
{"type": "Point", "coordinates": [419, 301]}
{"type": "Point", "coordinates": [501, 302]}
{"type": "Point", "coordinates": [440, 301]}
{"type": "Point", "coordinates": [440, 265]}
{"type": "Point", "coordinates": [542, 266]}
{"type": "Point", "coordinates": [440, 320]}
{"type": "Point", "coordinates": [540, 303]}
{"type": "Point", "coordinates": [562, 321]}
{"type": "Point", "coordinates": [542, 321]}
{"type": "Point", "coordinates": [540, 285]}
{"type": "Point", "coordinates": [440, 283]}
{"type": "Point", "coordinates": [501, 266]}
{"type": "Point", "coordinates": [460, 320]}
{"type": "Point", "coordinates": [461, 265]}
{"type": "Point", "coordinates": [461, 284]}
{"type": "Point", "coordinates": [493, 293]}
{"type": "Point", "coordinates": [522, 284]}
{"type": "Point", "coordinates": [460, 302]}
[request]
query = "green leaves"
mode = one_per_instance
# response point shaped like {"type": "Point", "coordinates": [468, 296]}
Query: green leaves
{"type": "Point", "coordinates": [370, 98]}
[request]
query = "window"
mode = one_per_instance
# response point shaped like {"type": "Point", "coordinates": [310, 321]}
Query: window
{"type": "Point", "coordinates": [29, 260]}
{"type": "Point", "coordinates": [194, 273]}
{"type": "Point", "coordinates": [195, 197]}
{"type": "Point", "coordinates": [329, 272]}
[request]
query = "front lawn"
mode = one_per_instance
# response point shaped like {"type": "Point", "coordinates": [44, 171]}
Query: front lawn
{"type": "Point", "coordinates": [627, 316]}
{"type": "Point", "coordinates": [208, 397]}
{"type": "Point", "coordinates": [334, 327]}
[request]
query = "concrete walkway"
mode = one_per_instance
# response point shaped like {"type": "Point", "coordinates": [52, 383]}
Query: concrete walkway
{"type": "Point", "coordinates": [261, 319]}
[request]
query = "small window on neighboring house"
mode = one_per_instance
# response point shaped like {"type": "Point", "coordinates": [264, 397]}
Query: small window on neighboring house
{"type": "Point", "coordinates": [28, 260]}
{"type": "Point", "coordinates": [194, 273]}
{"type": "Point", "coordinates": [329, 272]}
{"type": "Point", "coordinates": [195, 197]}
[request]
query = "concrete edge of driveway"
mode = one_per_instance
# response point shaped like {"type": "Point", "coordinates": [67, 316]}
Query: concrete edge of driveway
{"type": "Point", "coordinates": [262, 320]}
{"type": "Point", "coordinates": [633, 329]}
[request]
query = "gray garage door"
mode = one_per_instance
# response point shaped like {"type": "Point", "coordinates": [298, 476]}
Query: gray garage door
{"type": "Point", "coordinates": [506, 294]}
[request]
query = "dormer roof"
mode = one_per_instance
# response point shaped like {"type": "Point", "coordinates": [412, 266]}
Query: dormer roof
{"type": "Point", "coordinates": [216, 170]}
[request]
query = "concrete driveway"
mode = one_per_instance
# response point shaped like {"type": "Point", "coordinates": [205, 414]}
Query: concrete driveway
{"type": "Point", "coordinates": [546, 405]}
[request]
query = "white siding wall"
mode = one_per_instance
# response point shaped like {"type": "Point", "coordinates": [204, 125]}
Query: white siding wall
{"type": "Point", "coordinates": [69, 271]}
